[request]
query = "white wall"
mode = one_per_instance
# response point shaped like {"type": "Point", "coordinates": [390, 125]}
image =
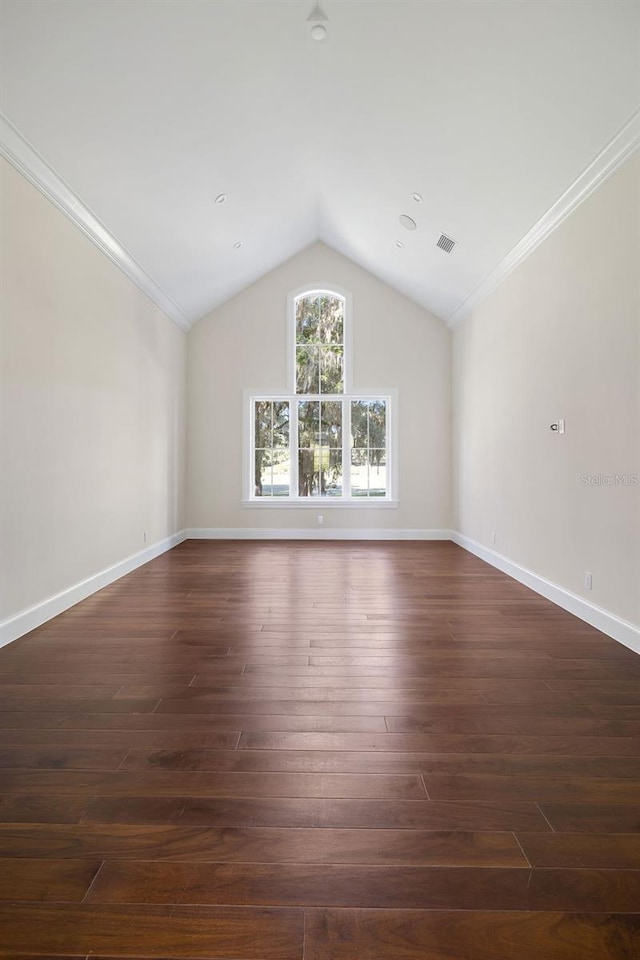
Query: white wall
{"type": "Point", "coordinates": [92, 407]}
{"type": "Point", "coordinates": [243, 345]}
{"type": "Point", "coordinates": [559, 338]}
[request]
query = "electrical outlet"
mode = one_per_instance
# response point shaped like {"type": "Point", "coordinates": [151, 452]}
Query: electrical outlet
{"type": "Point", "coordinates": [320, 520]}
{"type": "Point", "coordinates": [588, 580]}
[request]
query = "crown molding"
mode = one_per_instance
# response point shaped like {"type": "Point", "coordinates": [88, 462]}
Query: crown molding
{"type": "Point", "coordinates": [623, 145]}
{"type": "Point", "coordinates": [19, 152]}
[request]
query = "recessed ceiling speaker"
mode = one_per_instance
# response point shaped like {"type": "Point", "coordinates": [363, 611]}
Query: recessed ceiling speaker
{"type": "Point", "coordinates": [408, 222]}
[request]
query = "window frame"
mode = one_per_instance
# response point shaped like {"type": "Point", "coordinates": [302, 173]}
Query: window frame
{"type": "Point", "coordinates": [347, 339]}
{"type": "Point", "coordinates": [389, 395]}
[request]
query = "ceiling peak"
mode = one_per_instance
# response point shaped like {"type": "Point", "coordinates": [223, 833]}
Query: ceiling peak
{"type": "Point", "coordinates": [317, 15]}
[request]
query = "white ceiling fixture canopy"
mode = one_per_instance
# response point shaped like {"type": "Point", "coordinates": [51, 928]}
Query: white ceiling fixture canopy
{"type": "Point", "coordinates": [312, 140]}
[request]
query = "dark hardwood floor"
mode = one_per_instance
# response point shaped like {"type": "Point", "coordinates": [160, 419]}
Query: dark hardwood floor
{"type": "Point", "coordinates": [319, 751]}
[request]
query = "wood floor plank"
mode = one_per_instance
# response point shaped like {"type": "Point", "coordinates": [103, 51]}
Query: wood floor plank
{"type": "Point", "coordinates": [74, 730]}
{"type": "Point", "coordinates": [45, 880]}
{"type": "Point", "coordinates": [381, 695]}
{"type": "Point", "coordinates": [459, 935]}
{"type": "Point", "coordinates": [443, 743]}
{"type": "Point", "coordinates": [593, 817]}
{"type": "Point", "coordinates": [146, 810]}
{"type": "Point", "coordinates": [379, 762]}
{"type": "Point", "coordinates": [215, 933]}
{"type": "Point", "coordinates": [533, 726]}
{"type": "Point", "coordinates": [42, 809]}
{"type": "Point", "coordinates": [61, 691]}
{"type": "Point", "coordinates": [16, 703]}
{"type": "Point", "coordinates": [599, 850]}
{"type": "Point", "coordinates": [227, 784]}
{"type": "Point", "coordinates": [363, 886]}
{"type": "Point", "coordinates": [484, 787]}
{"type": "Point", "coordinates": [92, 720]}
{"type": "Point", "coordinates": [261, 844]}
{"type": "Point", "coordinates": [407, 681]}
{"type": "Point", "coordinates": [421, 764]}
{"type": "Point", "coordinates": [66, 758]}
{"type": "Point", "coordinates": [280, 812]}
{"type": "Point", "coordinates": [56, 678]}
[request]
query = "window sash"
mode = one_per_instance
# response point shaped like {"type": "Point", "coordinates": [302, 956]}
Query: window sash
{"type": "Point", "coordinates": [346, 447]}
{"type": "Point", "coordinates": [292, 339]}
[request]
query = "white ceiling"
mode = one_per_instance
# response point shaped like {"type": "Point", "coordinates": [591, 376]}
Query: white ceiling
{"type": "Point", "coordinates": [148, 109]}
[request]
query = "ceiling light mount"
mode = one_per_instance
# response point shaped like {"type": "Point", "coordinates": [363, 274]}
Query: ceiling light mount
{"type": "Point", "coordinates": [317, 18]}
{"type": "Point", "coordinates": [237, 245]}
{"type": "Point", "coordinates": [221, 198]}
{"type": "Point", "coordinates": [399, 244]}
{"type": "Point", "coordinates": [416, 197]}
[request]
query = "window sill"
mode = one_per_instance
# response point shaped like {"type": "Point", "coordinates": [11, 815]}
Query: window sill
{"type": "Point", "coordinates": [321, 503]}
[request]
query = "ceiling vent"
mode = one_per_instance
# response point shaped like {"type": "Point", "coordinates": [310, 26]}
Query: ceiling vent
{"type": "Point", "coordinates": [446, 243]}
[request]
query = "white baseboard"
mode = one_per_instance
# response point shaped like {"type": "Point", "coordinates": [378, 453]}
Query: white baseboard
{"type": "Point", "coordinates": [620, 630]}
{"type": "Point", "coordinates": [311, 533]}
{"type": "Point", "coordinates": [35, 616]}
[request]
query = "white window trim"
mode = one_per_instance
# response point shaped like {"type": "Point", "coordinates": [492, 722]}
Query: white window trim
{"type": "Point", "coordinates": [350, 394]}
{"type": "Point", "coordinates": [271, 503]}
{"type": "Point", "coordinates": [347, 369]}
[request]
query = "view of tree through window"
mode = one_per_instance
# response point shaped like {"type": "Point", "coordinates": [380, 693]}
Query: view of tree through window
{"type": "Point", "coordinates": [320, 442]}
{"type": "Point", "coordinates": [320, 344]}
{"type": "Point", "coordinates": [319, 448]}
{"type": "Point", "coordinates": [272, 456]}
{"type": "Point", "coordinates": [368, 448]}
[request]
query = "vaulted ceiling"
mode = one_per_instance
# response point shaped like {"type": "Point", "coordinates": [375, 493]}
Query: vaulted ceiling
{"type": "Point", "coordinates": [150, 109]}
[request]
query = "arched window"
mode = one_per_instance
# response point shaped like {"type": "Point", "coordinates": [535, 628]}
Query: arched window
{"type": "Point", "coordinates": [321, 441]}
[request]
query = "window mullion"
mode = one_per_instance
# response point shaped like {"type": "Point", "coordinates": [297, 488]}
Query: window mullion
{"type": "Point", "coordinates": [369, 448]}
{"type": "Point", "coordinates": [346, 447]}
{"type": "Point", "coordinates": [387, 449]}
{"type": "Point", "coordinates": [293, 446]}
{"type": "Point", "coordinates": [251, 479]}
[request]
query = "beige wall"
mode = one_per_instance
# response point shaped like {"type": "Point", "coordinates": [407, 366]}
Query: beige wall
{"type": "Point", "coordinates": [242, 345]}
{"type": "Point", "coordinates": [92, 407]}
{"type": "Point", "coordinates": [559, 338]}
